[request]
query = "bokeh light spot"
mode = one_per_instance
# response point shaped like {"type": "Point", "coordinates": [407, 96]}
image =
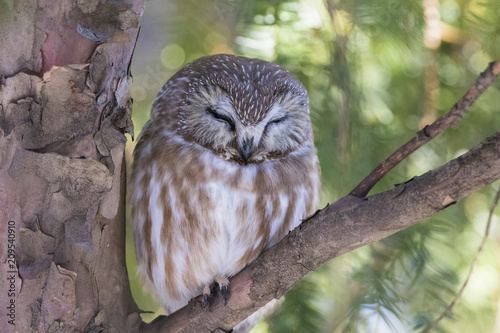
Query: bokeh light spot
{"type": "Point", "coordinates": [172, 56]}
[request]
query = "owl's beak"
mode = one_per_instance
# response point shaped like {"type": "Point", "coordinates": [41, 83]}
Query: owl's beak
{"type": "Point", "coordinates": [245, 149]}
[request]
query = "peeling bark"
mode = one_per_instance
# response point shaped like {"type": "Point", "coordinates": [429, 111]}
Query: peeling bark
{"type": "Point", "coordinates": [64, 110]}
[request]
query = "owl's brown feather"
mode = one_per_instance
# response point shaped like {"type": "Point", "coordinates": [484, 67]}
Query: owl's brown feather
{"type": "Point", "coordinates": [200, 210]}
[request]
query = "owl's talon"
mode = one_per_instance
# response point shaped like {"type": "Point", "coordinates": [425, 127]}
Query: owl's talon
{"type": "Point", "coordinates": [207, 292]}
{"type": "Point", "coordinates": [205, 304]}
{"type": "Point", "coordinates": [223, 283]}
{"type": "Point", "coordinates": [224, 291]}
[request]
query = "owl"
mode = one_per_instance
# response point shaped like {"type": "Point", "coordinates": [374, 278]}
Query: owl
{"type": "Point", "coordinates": [224, 169]}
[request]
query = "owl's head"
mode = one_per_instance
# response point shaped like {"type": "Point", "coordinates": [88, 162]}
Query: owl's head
{"type": "Point", "coordinates": [245, 110]}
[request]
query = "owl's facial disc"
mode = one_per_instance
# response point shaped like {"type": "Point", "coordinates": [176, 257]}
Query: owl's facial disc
{"type": "Point", "coordinates": [283, 130]}
{"type": "Point", "coordinates": [219, 123]}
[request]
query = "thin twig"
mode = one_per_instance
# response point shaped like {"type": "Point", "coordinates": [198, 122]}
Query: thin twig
{"type": "Point", "coordinates": [452, 118]}
{"type": "Point", "coordinates": [450, 307]}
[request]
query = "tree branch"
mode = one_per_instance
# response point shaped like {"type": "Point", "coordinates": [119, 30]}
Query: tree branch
{"type": "Point", "coordinates": [348, 224]}
{"type": "Point", "coordinates": [429, 132]}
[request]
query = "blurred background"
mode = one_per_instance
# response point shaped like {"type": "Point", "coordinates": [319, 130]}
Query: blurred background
{"type": "Point", "coordinates": [376, 71]}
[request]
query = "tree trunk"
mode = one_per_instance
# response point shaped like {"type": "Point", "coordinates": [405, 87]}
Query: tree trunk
{"type": "Point", "coordinates": [64, 109]}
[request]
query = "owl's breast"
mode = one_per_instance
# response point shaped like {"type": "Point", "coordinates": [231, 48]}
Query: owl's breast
{"type": "Point", "coordinates": [246, 209]}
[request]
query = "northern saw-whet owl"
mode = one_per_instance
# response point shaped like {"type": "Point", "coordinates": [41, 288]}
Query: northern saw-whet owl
{"type": "Point", "coordinates": [224, 169]}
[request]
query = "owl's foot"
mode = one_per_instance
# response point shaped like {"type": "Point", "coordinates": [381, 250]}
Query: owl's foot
{"type": "Point", "coordinates": [210, 290]}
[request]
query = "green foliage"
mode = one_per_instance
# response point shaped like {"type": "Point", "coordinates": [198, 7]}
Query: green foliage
{"type": "Point", "coordinates": [299, 313]}
{"type": "Point", "coordinates": [389, 21]}
{"type": "Point", "coordinates": [372, 83]}
{"type": "Point", "coordinates": [483, 15]}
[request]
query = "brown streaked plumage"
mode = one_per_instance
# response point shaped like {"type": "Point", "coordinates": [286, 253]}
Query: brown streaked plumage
{"type": "Point", "coordinates": [224, 168]}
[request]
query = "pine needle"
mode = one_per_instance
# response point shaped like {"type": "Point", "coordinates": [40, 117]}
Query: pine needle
{"type": "Point", "coordinates": [449, 309]}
